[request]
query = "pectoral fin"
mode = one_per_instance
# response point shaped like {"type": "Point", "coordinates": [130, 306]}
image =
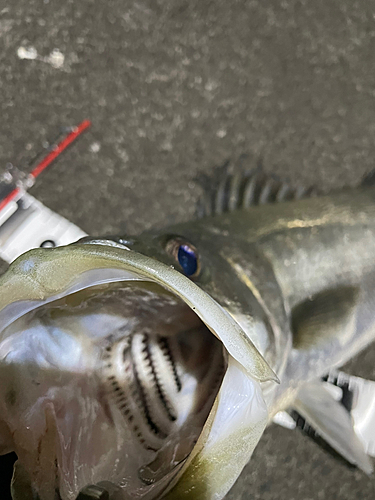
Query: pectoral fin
{"type": "Point", "coordinates": [319, 318]}
{"type": "Point", "coordinates": [332, 423]}
{"type": "Point", "coordinates": [358, 397]}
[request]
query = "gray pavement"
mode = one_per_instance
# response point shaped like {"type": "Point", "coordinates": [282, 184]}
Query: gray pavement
{"type": "Point", "coordinates": [173, 89]}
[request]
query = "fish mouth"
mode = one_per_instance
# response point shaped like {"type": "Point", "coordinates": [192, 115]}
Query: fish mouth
{"type": "Point", "coordinates": [118, 368]}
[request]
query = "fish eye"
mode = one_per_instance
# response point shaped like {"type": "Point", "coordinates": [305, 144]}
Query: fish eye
{"type": "Point", "coordinates": [186, 255]}
{"type": "Point", "coordinates": [187, 259]}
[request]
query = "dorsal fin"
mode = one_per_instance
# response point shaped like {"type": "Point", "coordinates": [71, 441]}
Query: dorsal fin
{"type": "Point", "coordinates": [233, 187]}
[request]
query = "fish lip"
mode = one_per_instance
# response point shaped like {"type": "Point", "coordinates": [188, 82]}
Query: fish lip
{"type": "Point", "coordinates": [42, 275]}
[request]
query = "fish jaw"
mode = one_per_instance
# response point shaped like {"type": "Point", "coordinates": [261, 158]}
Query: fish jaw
{"type": "Point", "coordinates": [43, 276]}
{"type": "Point", "coordinates": [232, 431]}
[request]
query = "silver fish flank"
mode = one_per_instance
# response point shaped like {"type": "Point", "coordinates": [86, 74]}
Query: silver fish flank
{"type": "Point", "coordinates": [149, 365]}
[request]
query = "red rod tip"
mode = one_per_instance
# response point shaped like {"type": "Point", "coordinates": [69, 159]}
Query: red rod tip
{"type": "Point", "coordinates": [61, 146]}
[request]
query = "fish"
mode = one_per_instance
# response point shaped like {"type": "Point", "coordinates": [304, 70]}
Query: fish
{"type": "Point", "coordinates": [148, 367]}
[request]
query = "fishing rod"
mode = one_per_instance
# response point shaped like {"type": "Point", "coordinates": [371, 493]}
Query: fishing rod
{"type": "Point", "coordinates": [25, 222]}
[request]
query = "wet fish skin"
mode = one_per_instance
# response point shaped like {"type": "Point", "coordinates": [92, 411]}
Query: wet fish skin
{"type": "Point", "coordinates": [297, 276]}
{"type": "Point", "coordinates": [263, 263]}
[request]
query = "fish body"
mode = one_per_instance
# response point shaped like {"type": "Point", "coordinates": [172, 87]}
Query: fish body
{"type": "Point", "coordinates": [304, 272]}
{"type": "Point", "coordinates": [287, 288]}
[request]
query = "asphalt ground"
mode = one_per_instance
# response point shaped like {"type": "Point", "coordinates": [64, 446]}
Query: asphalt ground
{"type": "Point", "coordinates": [173, 89]}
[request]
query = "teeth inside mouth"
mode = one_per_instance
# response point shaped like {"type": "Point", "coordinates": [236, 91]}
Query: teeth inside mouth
{"type": "Point", "coordinates": [129, 373]}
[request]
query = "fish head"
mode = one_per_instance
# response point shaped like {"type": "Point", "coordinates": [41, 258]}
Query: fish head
{"type": "Point", "coordinates": [230, 269]}
{"type": "Point", "coordinates": [115, 366]}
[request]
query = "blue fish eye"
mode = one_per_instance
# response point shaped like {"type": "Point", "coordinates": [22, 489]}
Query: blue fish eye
{"type": "Point", "coordinates": [188, 260]}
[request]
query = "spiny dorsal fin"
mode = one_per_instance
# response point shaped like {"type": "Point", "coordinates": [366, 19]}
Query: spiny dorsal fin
{"type": "Point", "coordinates": [233, 187]}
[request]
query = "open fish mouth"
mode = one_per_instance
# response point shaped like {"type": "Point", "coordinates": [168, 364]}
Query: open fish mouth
{"type": "Point", "coordinates": [116, 367]}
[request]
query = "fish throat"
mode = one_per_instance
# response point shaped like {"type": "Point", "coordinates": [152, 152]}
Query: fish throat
{"type": "Point", "coordinates": [164, 387]}
{"type": "Point", "coordinates": [146, 369]}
